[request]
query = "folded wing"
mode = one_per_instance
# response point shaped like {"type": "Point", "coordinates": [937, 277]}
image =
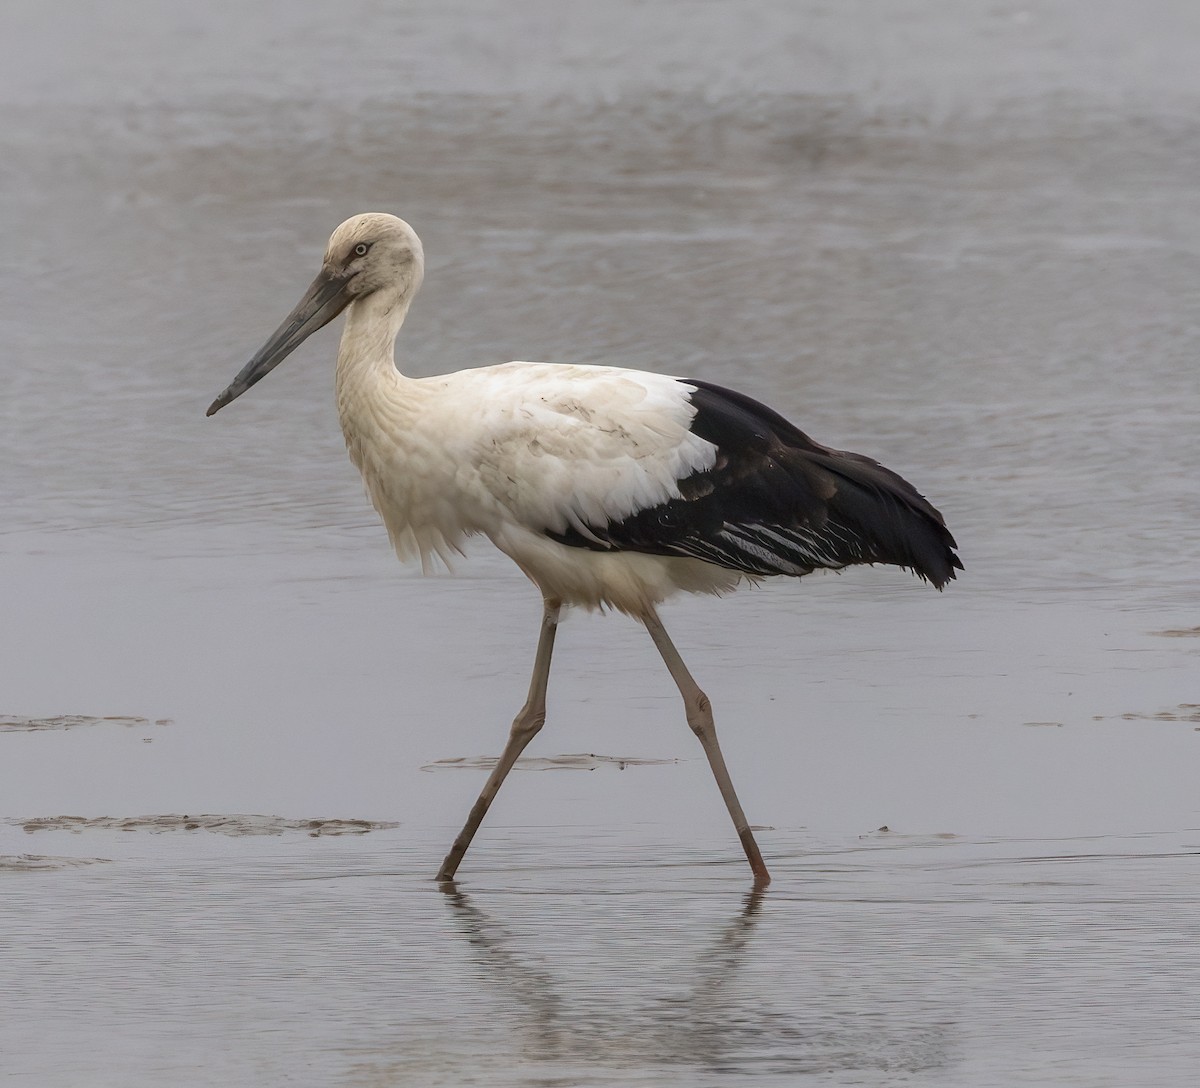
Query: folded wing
{"type": "Point", "coordinates": [775, 502]}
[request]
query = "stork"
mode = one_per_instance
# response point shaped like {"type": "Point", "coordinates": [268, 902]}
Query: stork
{"type": "Point", "coordinates": [608, 487]}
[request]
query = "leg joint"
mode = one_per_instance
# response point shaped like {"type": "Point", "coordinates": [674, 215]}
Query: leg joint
{"type": "Point", "coordinates": [529, 722]}
{"type": "Point", "coordinates": [698, 708]}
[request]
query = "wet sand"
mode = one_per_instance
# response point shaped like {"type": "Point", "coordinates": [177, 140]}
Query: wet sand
{"type": "Point", "coordinates": [964, 245]}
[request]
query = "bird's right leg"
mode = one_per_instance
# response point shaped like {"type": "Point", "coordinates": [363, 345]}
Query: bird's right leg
{"type": "Point", "coordinates": [700, 718]}
{"type": "Point", "coordinates": [524, 728]}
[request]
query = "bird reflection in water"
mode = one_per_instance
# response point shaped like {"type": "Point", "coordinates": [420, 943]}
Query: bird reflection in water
{"type": "Point", "coordinates": [688, 1029]}
{"type": "Point", "coordinates": [731, 1014]}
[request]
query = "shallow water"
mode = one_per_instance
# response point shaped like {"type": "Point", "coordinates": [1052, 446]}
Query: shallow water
{"type": "Point", "coordinates": [966, 245]}
{"type": "Point", "coordinates": [573, 959]}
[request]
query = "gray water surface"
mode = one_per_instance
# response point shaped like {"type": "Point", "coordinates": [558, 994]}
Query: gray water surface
{"type": "Point", "coordinates": [236, 736]}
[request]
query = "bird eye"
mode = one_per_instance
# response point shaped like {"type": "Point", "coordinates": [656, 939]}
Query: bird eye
{"type": "Point", "coordinates": [360, 250]}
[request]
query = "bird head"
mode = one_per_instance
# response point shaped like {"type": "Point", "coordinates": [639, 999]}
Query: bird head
{"type": "Point", "coordinates": [372, 252]}
{"type": "Point", "coordinates": [368, 253]}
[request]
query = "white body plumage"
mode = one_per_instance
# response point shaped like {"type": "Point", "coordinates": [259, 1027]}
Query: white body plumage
{"type": "Point", "coordinates": [514, 450]}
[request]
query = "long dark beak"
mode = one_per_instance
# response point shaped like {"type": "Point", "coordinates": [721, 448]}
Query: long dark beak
{"type": "Point", "coordinates": [322, 302]}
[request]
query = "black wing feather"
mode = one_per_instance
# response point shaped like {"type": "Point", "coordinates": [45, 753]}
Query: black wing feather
{"type": "Point", "coordinates": [776, 502]}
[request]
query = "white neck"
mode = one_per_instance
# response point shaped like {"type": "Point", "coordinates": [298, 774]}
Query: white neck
{"type": "Point", "coordinates": [384, 417]}
{"type": "Point", "coordinates": [370, 389]}
{"type": "Point", "coordinates": [368, 346]}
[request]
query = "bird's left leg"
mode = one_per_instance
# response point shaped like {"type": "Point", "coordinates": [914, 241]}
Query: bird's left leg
{"type": "Point", "coordinates": [700, 718]}
{"type": "Point", "coordinates": [524, 728]}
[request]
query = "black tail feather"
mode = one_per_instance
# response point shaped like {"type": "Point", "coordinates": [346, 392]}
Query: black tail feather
{"type": "Point", "coordinates": [897, 524]}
